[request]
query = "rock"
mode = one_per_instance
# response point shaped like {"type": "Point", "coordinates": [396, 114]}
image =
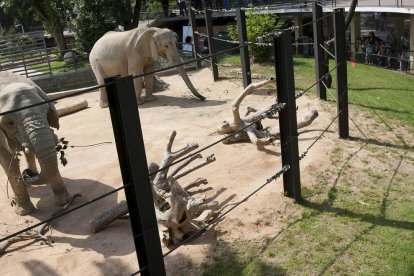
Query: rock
{"type": "Point", "coordinates": [69, 57]}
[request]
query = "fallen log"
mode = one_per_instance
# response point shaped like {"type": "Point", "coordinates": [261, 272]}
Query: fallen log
{"type": "Point", "coordinates": [256, 133]}
{"type": "Point", "coordinates": [71, 108]}
{"type": "Point", "coordinates": [67, 93]}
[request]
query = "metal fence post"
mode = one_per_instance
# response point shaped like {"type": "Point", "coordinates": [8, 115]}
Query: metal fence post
{"type": "Point", "coordinates": [320, 68]}
{"type": "Point", "coordinates": [196, 47]}
{"type": "Point", "coordinates": [132, 160]}
{"type": "Point", "coordinates": [341, 73]}
{"type": "Point", "coordinates": [244, 51]}
{"type": "Point", "coordinates": [287, 117]}
{"type": "Point", "coordinates": [211, 44]}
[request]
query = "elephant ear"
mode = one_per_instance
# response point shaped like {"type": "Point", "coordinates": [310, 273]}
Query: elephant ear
{"type": "Point", "coordinates": [4, 142]}
{"type": "Point", "coordinates": [52, 114]}
{"type": "Point", "coordinates": [145, 44]}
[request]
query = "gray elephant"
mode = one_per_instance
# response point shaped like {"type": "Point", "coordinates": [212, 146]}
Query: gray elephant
{"type": "Point", "coordinates": [28, 130]}
{"type": "Point", "coordinates": [133, 53]}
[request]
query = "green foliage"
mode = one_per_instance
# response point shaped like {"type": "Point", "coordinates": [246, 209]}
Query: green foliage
{"type": "Point", "coordinates": [257, 25]}
{"type": "Point", "coordinates": [92, 19]}
{"type": "Point", "coordinates": [13, 12]}
{"type": "Point", "coordinates": [153, 8]}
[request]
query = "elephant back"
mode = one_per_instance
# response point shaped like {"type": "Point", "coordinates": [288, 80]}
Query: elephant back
{"type": "Point", "coordinates": [8, 77]}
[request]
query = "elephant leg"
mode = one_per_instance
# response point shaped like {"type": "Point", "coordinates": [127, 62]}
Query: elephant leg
{"type": "Point", "coordinates": [61, 195]}
{"type": "Point", "coordinates": [135, 69]}
{"type": "Point", "coordinates": [103, 99]}
{"type": "Point", "coordinates": [11, 166]}
{"type": "Point", "coordinates": [100, 79]}
{"type": "Point", "coordinates": [138, 88]}
{"type": "Point", "coordinates": [149, 84]}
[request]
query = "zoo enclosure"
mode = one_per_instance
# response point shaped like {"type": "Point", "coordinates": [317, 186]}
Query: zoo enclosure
{"type": "Point", "coordinates": [131, 149]}
{"type": "Point", "coordinates": [27, 54]}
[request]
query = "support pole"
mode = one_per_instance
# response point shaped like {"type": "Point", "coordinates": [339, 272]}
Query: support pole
{"type": "Point", "coordinates": [196, 47]}
{"type": "Point", "coordinates": [355, 33]}
{"type": "Point", "coordinates": [320, 67]}
{"type": "Point", "coordinates": [132, 160]}
{"type": "Point", "coordinates": [341, 73]}
{"type": "Point", "coordinates": [298, 18]}
{"type": "Point", "coordinates": [287, 117]}
{"type": "Point", "coordinates": [244, 51]}
{"type": "Point", "coordinates": [211, 44]}
{"type": "Point", "coordinates": [412, 43]}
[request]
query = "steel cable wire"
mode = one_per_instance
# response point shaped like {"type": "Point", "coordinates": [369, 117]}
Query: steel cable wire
{"type": "Point", "coordinates": [305, 152]}
{"type": "Point", "coordinates": [137, 76]}
{"type": "Point", "coordinates": [273, 110]}
{"type": "Point", "coordinates": [63, 213]}
{"type": "Point", "coordinates": [206, 227]}
{"type": "Point", "coordinates": [271, 34]}
{"type": "Point", "coordinates": [301, 93]}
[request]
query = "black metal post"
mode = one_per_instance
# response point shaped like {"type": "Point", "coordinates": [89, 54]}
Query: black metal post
{"type": "Point", "coordinates": [320, 68]}
{"type": "Point", "coordinates": [341, 73]}
{"type": "Point", "coordinates": [196, 47]}
{"type": "Point", "coordinates": [211, 44]}
{"type": "Point", "coordinates": [134, 169]}
{"type": "Point", "coordinates": [287, 117]}
{"type": "Point", "coordinates": [244, 51]}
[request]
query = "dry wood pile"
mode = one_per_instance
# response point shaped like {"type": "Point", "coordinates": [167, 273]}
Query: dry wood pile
{"type": "Point", "coordinates": [256, 133]}
{"type": "Point", "coordinates": [177, 209]}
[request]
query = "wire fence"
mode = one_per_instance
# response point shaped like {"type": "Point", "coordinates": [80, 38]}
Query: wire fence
{"type": "Point", "coordinates": [273, 110]}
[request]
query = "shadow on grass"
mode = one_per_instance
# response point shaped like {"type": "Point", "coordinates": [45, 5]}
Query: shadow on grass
{"type": "Point", "coordinates": [374, 220]}
{"type": "Point", "coordinates": [381, 143]}
{"type": "Point", "coordinates": [380, 88]}
{"type": "Point", "coordinates": [237, 260]}
{"type": "Point", "coordinates": [385, 109]}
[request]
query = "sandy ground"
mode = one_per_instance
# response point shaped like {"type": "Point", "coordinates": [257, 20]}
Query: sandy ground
{"type": "Point", "coordinates": [94, 170]}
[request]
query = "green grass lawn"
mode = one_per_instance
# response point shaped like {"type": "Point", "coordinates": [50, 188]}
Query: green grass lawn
{"type": "Point", "coordinates": [390, 93]}
{"type": "Point", "coordinates": [60, 66]}
{"type": "Point", "coordinates": [359, 217]}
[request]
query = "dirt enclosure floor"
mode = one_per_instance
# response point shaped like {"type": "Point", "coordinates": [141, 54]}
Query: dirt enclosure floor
{"type": "Point", "coordinates": [94, 170]}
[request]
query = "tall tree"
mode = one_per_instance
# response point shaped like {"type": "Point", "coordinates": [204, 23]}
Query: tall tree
{"type": "Point", "coordinates": [14, 12]}
{"type": "Point", "coordinates": [52, 13]}
{"type": "Point", "coordinates": [92, 19]}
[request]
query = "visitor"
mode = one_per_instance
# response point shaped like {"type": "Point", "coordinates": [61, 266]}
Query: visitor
{"type": "Point", "coordinates": [369, 49]}
{"type": "Point", "coordinates": [391, 42]}
{"type": "Point", "coordinates": [208, 4]}
{"type": "Point", "coordinates": [183, 8]}
{"type": "Point", "coordinates": [165, 6]}
{"type": "Point", "coordinates": [405, 41]}
{"type": "Point", "coordinates": [404, 60]}
{"type": "Point", "coordinates": [226, 4]}
{"type": "Point", "coordinates": [219, 5]}
{"type": "Point", "coordinates": [198, 5]}
{"type": "Point", "coordinates": [382, 54]}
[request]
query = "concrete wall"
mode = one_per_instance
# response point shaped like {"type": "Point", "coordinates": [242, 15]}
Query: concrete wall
{"type": "Point", "coordinates": [66, 80]}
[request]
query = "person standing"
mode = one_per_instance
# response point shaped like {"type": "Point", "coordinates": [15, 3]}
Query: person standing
{"type": "Point", "coordinates": [165, 7]}
{"type": "Point", "coordinates": [183, 8]}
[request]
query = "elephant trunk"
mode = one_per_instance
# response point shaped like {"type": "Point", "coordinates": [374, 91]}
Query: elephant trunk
{"type": "Point", "coordinates": [176, 59]}
{"type": "Point", "coordinates": [38, 137]}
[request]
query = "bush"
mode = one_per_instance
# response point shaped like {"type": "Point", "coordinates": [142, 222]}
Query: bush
{"type": "Point", "coordinates": [92, 19]}
{"type": "Point", "coordinates": [257, 25]}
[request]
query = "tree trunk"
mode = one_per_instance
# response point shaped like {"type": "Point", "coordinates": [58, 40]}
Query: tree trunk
{"type": "Point", "coordinates": [52, 21]}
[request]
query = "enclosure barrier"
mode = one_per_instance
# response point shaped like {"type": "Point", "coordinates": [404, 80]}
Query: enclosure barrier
{"type": "Point", "coordinates": [131, 152]}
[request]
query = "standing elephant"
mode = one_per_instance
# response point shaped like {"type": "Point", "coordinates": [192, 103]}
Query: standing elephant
{"type": "Point", "coordinates": [28, 130]}
{"type": "Point", "coordinates": [133, 53]}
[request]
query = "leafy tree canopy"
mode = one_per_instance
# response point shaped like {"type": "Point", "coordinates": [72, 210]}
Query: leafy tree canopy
{"type": "Point", "coordinates": [93, 18]}
{"type": "Point", "coordinates": [257, 25]}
